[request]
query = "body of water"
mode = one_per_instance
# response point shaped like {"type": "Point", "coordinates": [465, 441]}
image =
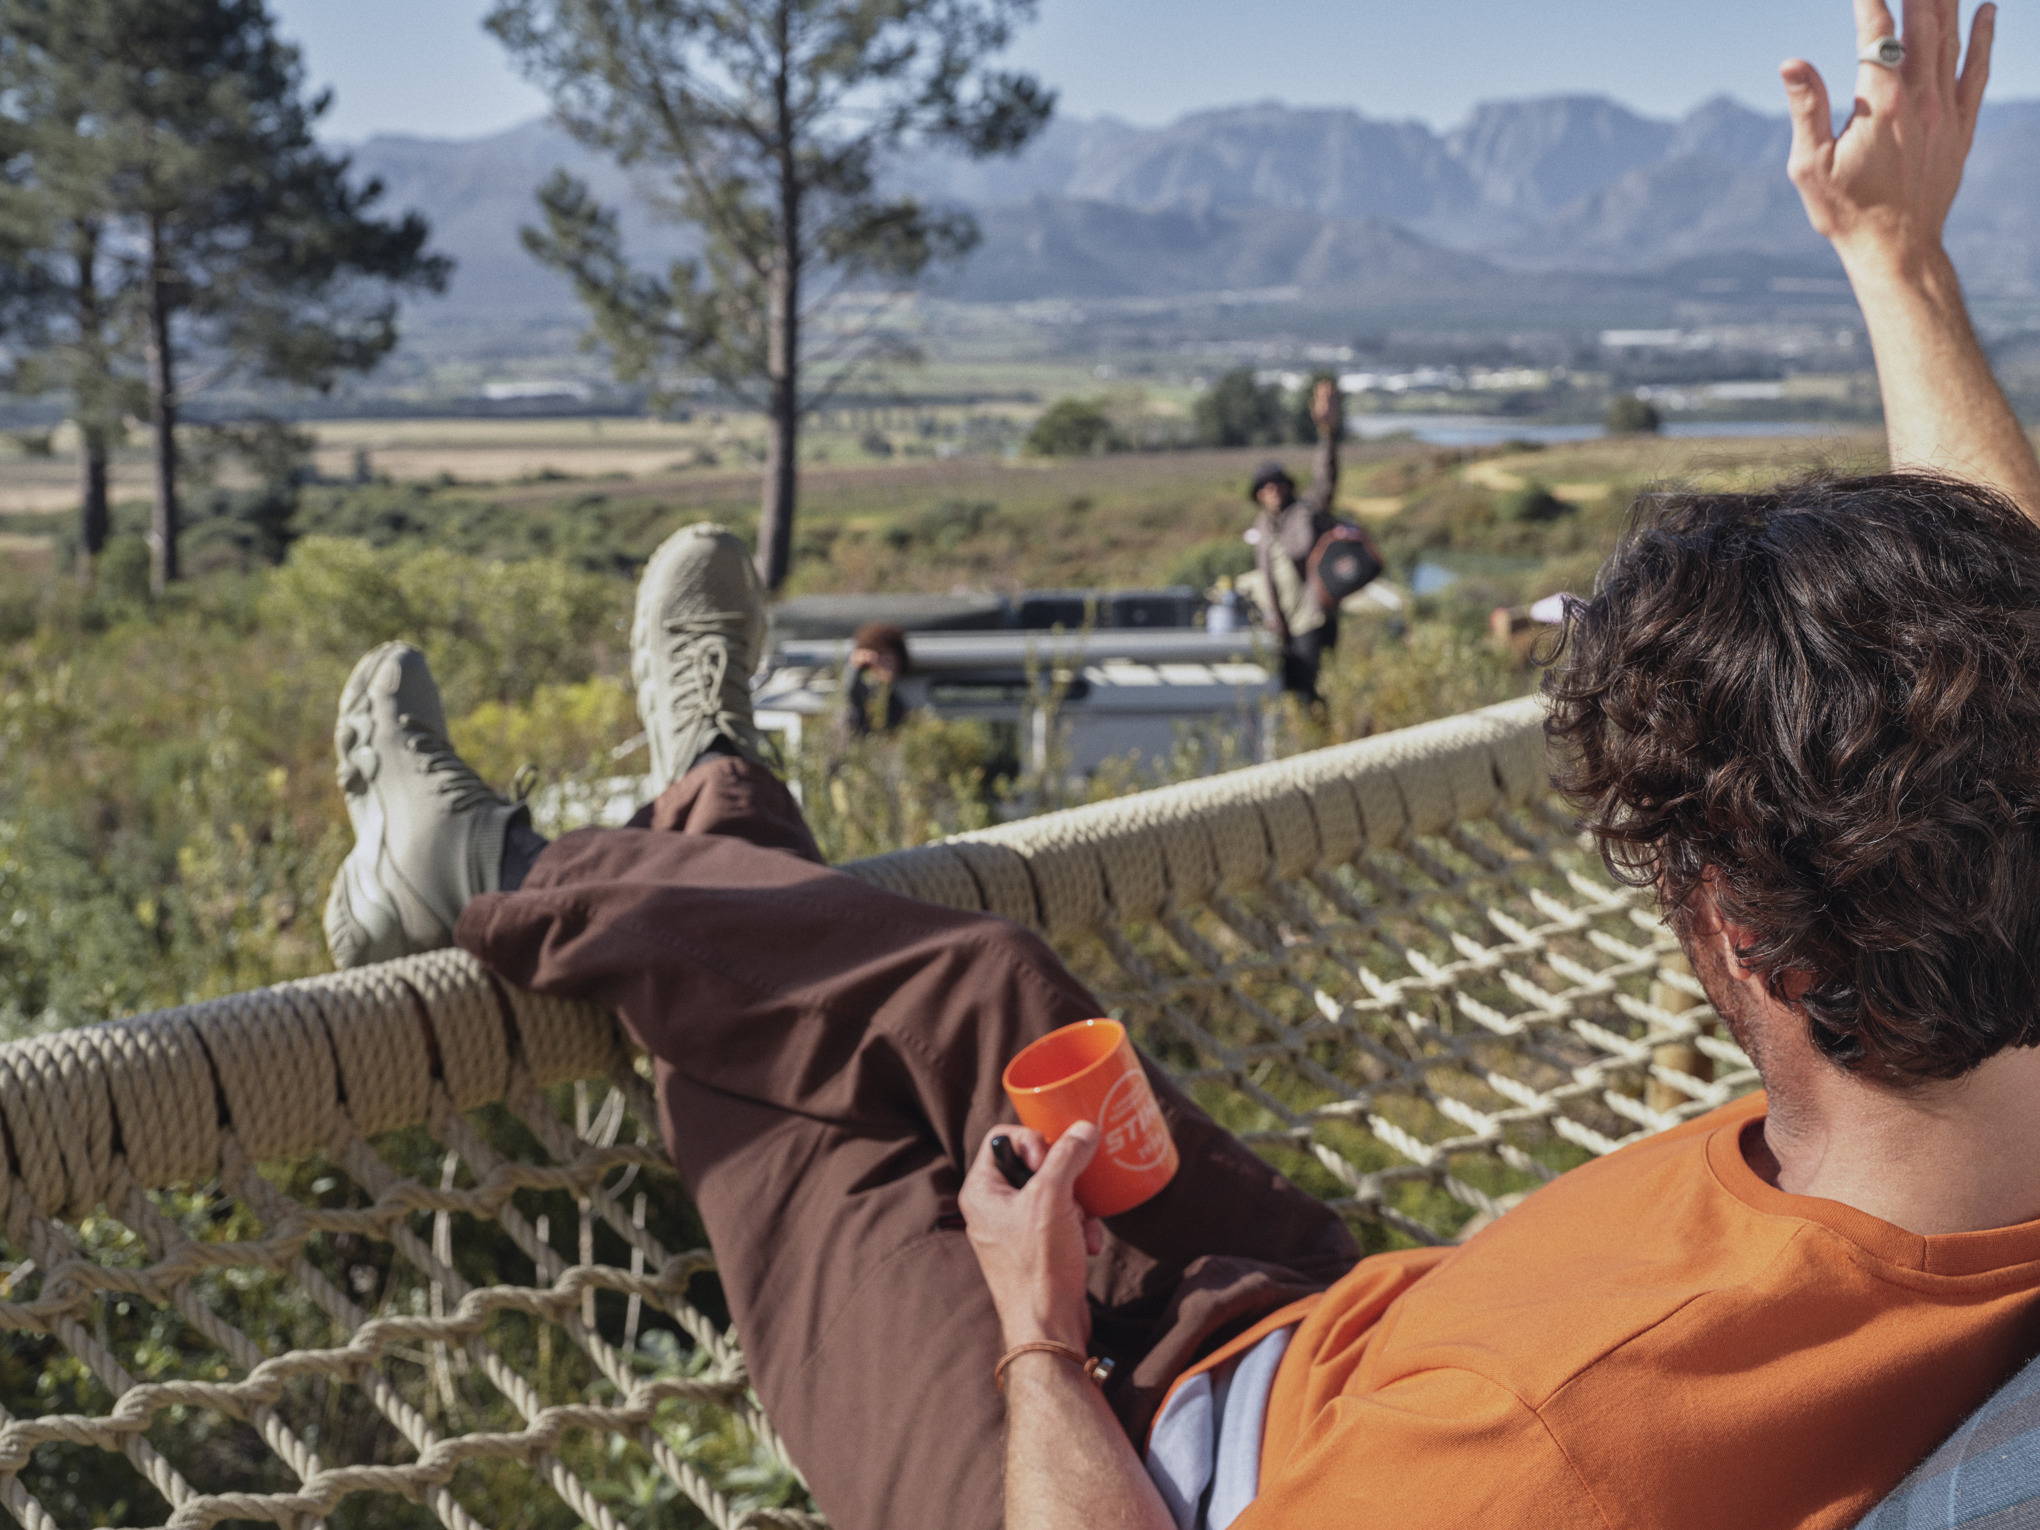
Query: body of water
{"type": "Point", "coordinates": [1492, 430]}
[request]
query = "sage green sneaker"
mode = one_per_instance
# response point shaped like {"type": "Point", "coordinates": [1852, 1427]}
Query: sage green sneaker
{"type": "Point", "coordinates": [696, 639]}
{"type": "Point", "coordinates": [428, 832]}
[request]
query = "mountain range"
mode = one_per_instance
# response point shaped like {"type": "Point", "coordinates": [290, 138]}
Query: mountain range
{"type": "Point", "coordinates": [1328, 203]}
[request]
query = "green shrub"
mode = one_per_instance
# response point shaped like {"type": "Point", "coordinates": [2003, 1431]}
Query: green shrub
{"type": "Point", "coordinates": [168, 820]}
{"type": "Point", "coordinates": [1075, 427]}
{"type": "Point", "coordinates": [1629, 415]}
{"type": "Point", "coordinates": [1206, 563]}
{"type": "Point", "coordinates": [1534, 502]}
{"type": "Point", "coordinates": [493, 631]}
{"type": "Point", "coordinates": [926, 779]}
{"type": "Point", "coordinates": [574, 736]}
{"type": "Point", "coordinates": [942, 527]}
{"type": "Point", "coordinates": [602, 531]}
{"type": "Point", "coordinates": [1388, 675]}
{"type": "Point", "coordinates": [1237, 411]}
{"type": "Point", "coordinates": [123, 571]}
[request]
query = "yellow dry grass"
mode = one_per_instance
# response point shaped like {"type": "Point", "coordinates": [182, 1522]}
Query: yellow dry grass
{"type": "Point", "coordinates": [500, 450]}
{"type": "Point", "coordinates": [717, 456]}
{"type": "Point", "coordinates": [22, 547]}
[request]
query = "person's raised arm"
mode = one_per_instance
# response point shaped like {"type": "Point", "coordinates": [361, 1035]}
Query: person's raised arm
{"type": "Point", "coordinates": [1325, 410]}
{"type": "Point", "coordinates": [1880, 193]}
{"type": "Point", "coordinates": [1069, 1466]}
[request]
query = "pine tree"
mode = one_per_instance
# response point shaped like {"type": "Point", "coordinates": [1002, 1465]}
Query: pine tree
{"type": "Point", "coordinates": [771, 122]}
{"type": "Point", "coordinates": [184, 212]}
{"type": "Point", "coordinates": [52, 238]}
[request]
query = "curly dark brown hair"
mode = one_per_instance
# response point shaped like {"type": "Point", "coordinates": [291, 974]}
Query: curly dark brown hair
{"type": "Point", "coordinates": [1825, 700]}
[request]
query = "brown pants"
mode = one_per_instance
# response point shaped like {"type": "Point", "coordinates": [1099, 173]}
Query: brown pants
{"type": "Point", "coordinates": [828, 1060]}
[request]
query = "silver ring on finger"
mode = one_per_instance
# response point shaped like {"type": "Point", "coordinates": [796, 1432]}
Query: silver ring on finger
{"type": "Point", "coordinates": [1885, 53]}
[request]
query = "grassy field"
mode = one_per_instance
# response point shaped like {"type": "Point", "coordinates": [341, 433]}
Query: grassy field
{"type": "Point", "coordinates": [504, 450]}
{"type": "Point", "coordinates": [931, 516]}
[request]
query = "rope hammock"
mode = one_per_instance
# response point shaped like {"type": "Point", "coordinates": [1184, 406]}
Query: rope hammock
{"type": "Point", "coordinates": [398, 1245]}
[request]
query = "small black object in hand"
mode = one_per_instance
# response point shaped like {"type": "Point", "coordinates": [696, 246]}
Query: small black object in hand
{"type": "Point", "coordinates": [1007, 1157]}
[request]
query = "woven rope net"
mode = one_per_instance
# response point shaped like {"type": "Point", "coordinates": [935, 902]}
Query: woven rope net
{"type": "Point", "coordinates": [398, 1245]}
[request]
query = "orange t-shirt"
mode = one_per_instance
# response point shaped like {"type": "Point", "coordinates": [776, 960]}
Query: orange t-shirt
{"type": "Point", "coordinates": [1658, 1339]}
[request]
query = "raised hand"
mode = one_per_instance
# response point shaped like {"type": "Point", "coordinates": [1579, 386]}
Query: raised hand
{"type": "Point", "coordinates": [1881, 192]}
{"type": "Point", "coordinates": [1882, 189]}
{"type": "Point", "coordinates": [1324, 404]}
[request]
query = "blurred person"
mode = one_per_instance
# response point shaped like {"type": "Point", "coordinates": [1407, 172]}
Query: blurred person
{"type": "Point", "coordinates": [1804, 716]}
{"type": "Point", "coordinates": [1309, 560]}
{"type": "Point", "coordinates": [871, 699]}
{"type": "Point", "coordinates": [1285, 531]}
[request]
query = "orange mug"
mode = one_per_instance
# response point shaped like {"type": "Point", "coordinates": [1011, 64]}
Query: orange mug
{"type": "Point", "coordinates": [1088, 1072]}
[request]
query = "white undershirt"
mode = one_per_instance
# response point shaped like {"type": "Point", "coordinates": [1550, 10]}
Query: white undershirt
{"type": "Point", "coordinates": [1204, 1452]}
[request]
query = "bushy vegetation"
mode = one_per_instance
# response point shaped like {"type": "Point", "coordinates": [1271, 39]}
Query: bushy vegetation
{"type": "Point", "coordinates": [1075, 427]}
{"type": "Point", "coordinates": [168, 820]}
{"type": "Point", "coordinates": [1237, 410]}
{"type": "Point", "coordinates": [1203, 564]}
{"type": "Point", "coordinates": [1631, 416]}
{"type": "Point", "coordinates": [1534, 502]}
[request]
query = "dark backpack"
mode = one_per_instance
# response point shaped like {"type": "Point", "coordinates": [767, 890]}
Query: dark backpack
{"type": "Point", "coordinates": [1344, 560]}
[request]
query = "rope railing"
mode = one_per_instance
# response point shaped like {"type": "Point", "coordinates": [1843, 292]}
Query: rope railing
{"type": "Point", "coordinates": [405, 1231]}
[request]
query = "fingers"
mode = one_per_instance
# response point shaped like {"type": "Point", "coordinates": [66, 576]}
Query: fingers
{"type": "Point", "coordinates": [1976, 70]}
{"type": "Point", "coordinates": [986, 1177]}
{"type": "Point", "coordinates": [1069, 1157]}
{"type": "Point", "coordinates": [1813, 127]}
{"type": "Point", "coordinates": [1030, 1144]}
{"type": "Point", "coordinates": [1920, 23]}
{"type": "Point", "coordinates": [1876, 86]}
{"type": "Point", "coordinates": [1094, 1236]}
{"type": "Point", "coordinates": [1933, 39]}
{"type": "Point", "coordinates": [1055, 1167]}
{"type": "Point", "coordinates": [1873, 20]}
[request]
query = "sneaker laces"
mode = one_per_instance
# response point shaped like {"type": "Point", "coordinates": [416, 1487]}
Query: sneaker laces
{"type": "Point", "coordinates": [697, 670]}
{"type": "Point", "coordinates": [457, 778]}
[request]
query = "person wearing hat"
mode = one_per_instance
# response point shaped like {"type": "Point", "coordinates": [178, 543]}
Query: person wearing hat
{"type": "Point", "coordinates": [871, 699]}
{"type": "Point", "coordinates": [1283, 534]}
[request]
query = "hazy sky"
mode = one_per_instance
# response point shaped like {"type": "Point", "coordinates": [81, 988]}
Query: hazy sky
{"type": "Point", "coordinates": [425, 66]}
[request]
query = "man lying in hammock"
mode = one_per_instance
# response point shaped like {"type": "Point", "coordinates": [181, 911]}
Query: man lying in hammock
{"type": "Point", "coordinates": [1808, 716]}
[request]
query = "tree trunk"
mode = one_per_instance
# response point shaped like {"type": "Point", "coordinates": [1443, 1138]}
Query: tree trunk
{"type": "Point", "coordinates": [163, 419]}
{"type": "Point", "coordinates": [782, 347]}
{"type": "Point", "coordinates": [92, 514]}
{"type": "Point", "coordinates": [782, 455]}
{"type": "Point", "coordinates": [90, 392]}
